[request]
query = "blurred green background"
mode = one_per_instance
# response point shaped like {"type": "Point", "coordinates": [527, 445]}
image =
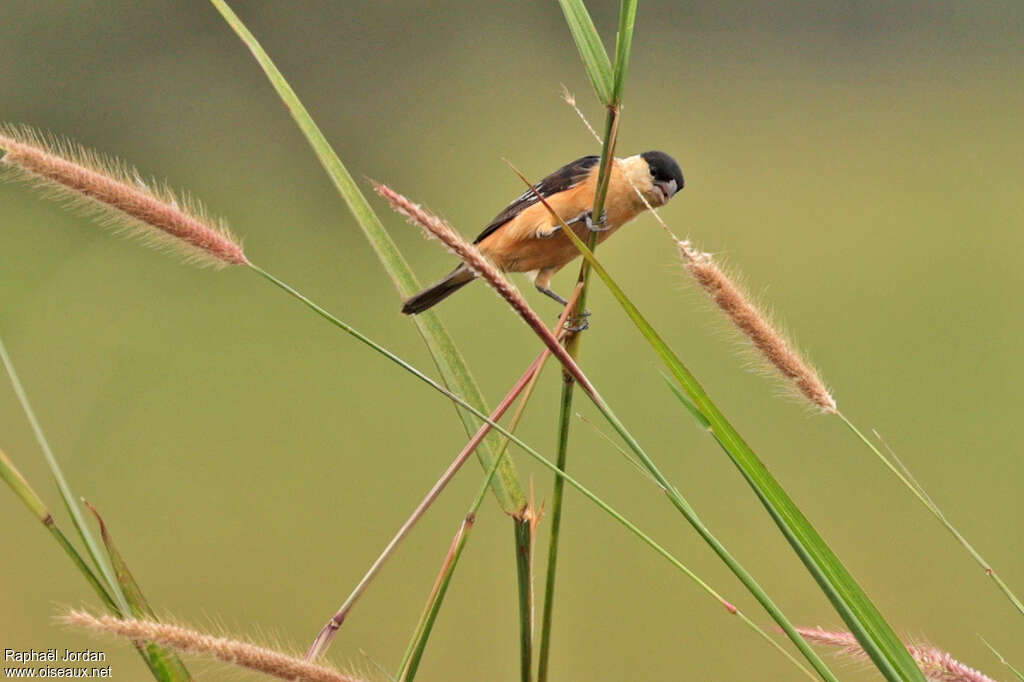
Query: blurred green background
{"type": "Point", "coordinates": [859, 162]}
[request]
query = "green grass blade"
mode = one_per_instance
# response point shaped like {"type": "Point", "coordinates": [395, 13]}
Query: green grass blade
{"type": "Point", "coordinates": [592, 52]}
{"type": "Point", "coordinates": [65, 490]}
{"type": "Point", "coordinates": [161, 663]}
{"type": "Point", "coordinates": [1017, 673]}
{"type": "Point", "coordinates": [547, 615]}
{"type": "Point", "coordinates": [853, 605]}
{"type": "Point", "coordinates": [623, 47]}
{"type": "Point", "coordinates": [446, 356]}
{"type": "Point", "coordinates": [524, 530]}
{"type": "Point", "coordinates": [893, 463]}
{"type": "Point", "coordinates": [164, 663]}
{"type": "Point", "coordinates": [24, 491]}
{"type": "Point", "coordinates": [624, 40]}
{"type": "Point", "coordinates": [687, 403]}
{"type": "Point", "coordinates": [414, 652]}
{"type": "Point", "coordinates": [440, 388]}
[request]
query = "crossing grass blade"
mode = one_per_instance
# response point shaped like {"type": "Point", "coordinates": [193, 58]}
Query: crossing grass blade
{"type": "Point", "coordinates": [165, 664]}
{"type": "Point", "coordinates": [592, 52]}
{"type": "Point", "coordinates": [21, 488]}
{"type": "Point", "coordinates": [449, 361]}
{"type": "Point", "coordinates": [1018, 674]}
{"type": "Point", "coordinates": [875, 635]}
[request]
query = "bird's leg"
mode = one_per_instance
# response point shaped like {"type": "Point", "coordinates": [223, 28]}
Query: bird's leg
{"type": "Point", "coordinates": [600, 226]}
{"type": "Point", "coordinates": [541, 281]}
{"type": "Point", "coordinates": [548, 292]}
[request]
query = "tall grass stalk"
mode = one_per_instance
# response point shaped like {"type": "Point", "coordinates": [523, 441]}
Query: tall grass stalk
{"type": "Point", "coordinates": [424, 627]}
{"type": "Point", "coordinates": [24, 492]}
{"type": "Point", "coordinates": [70, 501]}
{"type": "Point", "coordinates": [553, 345]}
{"type": "Point", "coordinates": [449, 361]}
{"type": "Point", "coordinates": [490, 274]}
{"type": "Point", "coordinates": [327, 634]}
{"type": "Point", "coordinates": [673, 494]}
{"type": "Point", "coordinates": [779, 354]}
{"type": "Point", "coordinates": [446, 356]}
{"type": "Point", "coordinates": [609, 88]}
{"type": "Point", "coordinates": [1017, 673]}
{"type": "Point", "coordinates": [908, 480]}
{"type": "Point", "coordinates": [848, 598]}
{"type": "Point", "coordinates": [529, 450]}
{"type": "Point", "coordinates": [164, 665]}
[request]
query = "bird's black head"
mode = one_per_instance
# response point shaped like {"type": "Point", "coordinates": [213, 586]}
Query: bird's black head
{"type": "Point", "coordinates": [665, 172]}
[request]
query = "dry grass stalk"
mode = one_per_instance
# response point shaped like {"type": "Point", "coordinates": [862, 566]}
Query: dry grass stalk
{"type": "Point", "coordinates": [116, 195]}
{"type": "Point", "coordinates": [484, 269]}
{"type": "Point", "coordinates": [936, 665]}
{"type": "Point", "coordinates": [243, 654]}
{"type": "Point", "coordinates": [756, 326]}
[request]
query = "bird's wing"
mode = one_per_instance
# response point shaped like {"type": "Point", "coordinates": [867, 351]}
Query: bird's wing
{"type": "Point", "coordinates": [564, 178]}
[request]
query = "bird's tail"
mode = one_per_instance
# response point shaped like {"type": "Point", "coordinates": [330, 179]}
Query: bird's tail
{"type": "Point", "coordinates": [459, 277]}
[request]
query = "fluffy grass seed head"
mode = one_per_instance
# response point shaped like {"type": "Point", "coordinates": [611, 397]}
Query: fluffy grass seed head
{"type": "Point", "coordinates": [769, 342]}
{"type": "Point", "coordinates": [244, 654]}
{"type": "Point", "coordinates": [116, 195]}
{"type": "Point", "coordinates": [936, 665]}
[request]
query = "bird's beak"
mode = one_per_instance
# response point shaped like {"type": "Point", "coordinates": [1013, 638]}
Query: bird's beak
{"type": "Point", "coordinates": [667, 189]}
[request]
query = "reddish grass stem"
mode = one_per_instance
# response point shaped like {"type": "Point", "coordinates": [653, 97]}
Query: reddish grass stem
{"type": "Point", "coordinates": [330, 630]}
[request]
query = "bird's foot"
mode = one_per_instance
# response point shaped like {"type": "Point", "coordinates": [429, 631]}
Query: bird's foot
{"type": "Point", "coordinates": [599, 226]}
{"type": "Point", "coordinates": [577, 324]}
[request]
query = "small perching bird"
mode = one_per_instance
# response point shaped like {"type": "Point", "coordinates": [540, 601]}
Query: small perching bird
{"type": "Point", "coordinates": [525, 236]}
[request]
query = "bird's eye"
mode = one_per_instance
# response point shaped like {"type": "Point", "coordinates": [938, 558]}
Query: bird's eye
{"type": "Point", "coordinates": [653, 174]}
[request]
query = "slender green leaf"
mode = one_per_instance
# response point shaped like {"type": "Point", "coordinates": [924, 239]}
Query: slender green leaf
{"type": "Point", "coordinates": [687, 403]}
{"type": "Point", "coordinates": [623, 47]}
{"type": "Point", "coordinates": [896, 466]}
{"type": "Point", "coordinates": [524, 561]}
{"type": "Point", "coordinates": [677, 499]}
{"type": "Point", "coordinates": [863, 618]}
{"type": "Point", "coordinates": [440, 388]}
{"type": "Point", "coordinates": [583, 30]}
{"type": "Point", "coordinates": [547, 615]}
{"type": "Point", "coordinates": [446, 356]}
{"type": "Point", "coordinates": [1018, 674]}
{"type": "Point", "coordinates": [164, 663]}
{"type": "Point", "coordinates": [414, 652]}
{"type": "Point", "coordinates": [28, 495]}
{"type": "Point", "coordinates": [165, 666]}
{"type": "Point", "coordinates": [592, 52]}
{"type": "Point", "coordinates": [62, 485]}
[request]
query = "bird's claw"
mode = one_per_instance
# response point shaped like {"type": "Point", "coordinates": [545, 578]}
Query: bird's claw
{"type": "Point", "coordinates": [600, 226]}
{"type": "Point", "coordinates": [578, 323]}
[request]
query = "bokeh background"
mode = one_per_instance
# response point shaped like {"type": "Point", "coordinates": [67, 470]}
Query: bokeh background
{"type": "Point", "coordinates": [859, 162]}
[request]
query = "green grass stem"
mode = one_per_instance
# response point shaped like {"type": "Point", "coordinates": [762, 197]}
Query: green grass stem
{"type": "Point", "coordinates": [1018, 674]}
{"type": "Point", "coordinates": [70, 501]}
{"type": "Point", "coordinates": [437, 386]}
{"type": "Point", "coordinates": [449, 361]}
{"type": "Point", "coordinates": [414, 652]}
{"type": "Point", "coordinates": [585, 35]}
{"type": "Point", "coordinates": [24, 492]}
{"type": "Point", "coordinates": [907, 479]}
{"type": "Point", "coordinates": [164, 665]}
{"type": "Point", "coordinates": [592, 52]}
{"type": "Point", "coordinates": [673, 494]}
{"type": "Point", "coordinates": [853, 605]}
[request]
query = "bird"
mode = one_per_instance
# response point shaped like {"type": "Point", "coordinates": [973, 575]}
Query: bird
{"type": "Point", "coordinates": [526, 238]}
